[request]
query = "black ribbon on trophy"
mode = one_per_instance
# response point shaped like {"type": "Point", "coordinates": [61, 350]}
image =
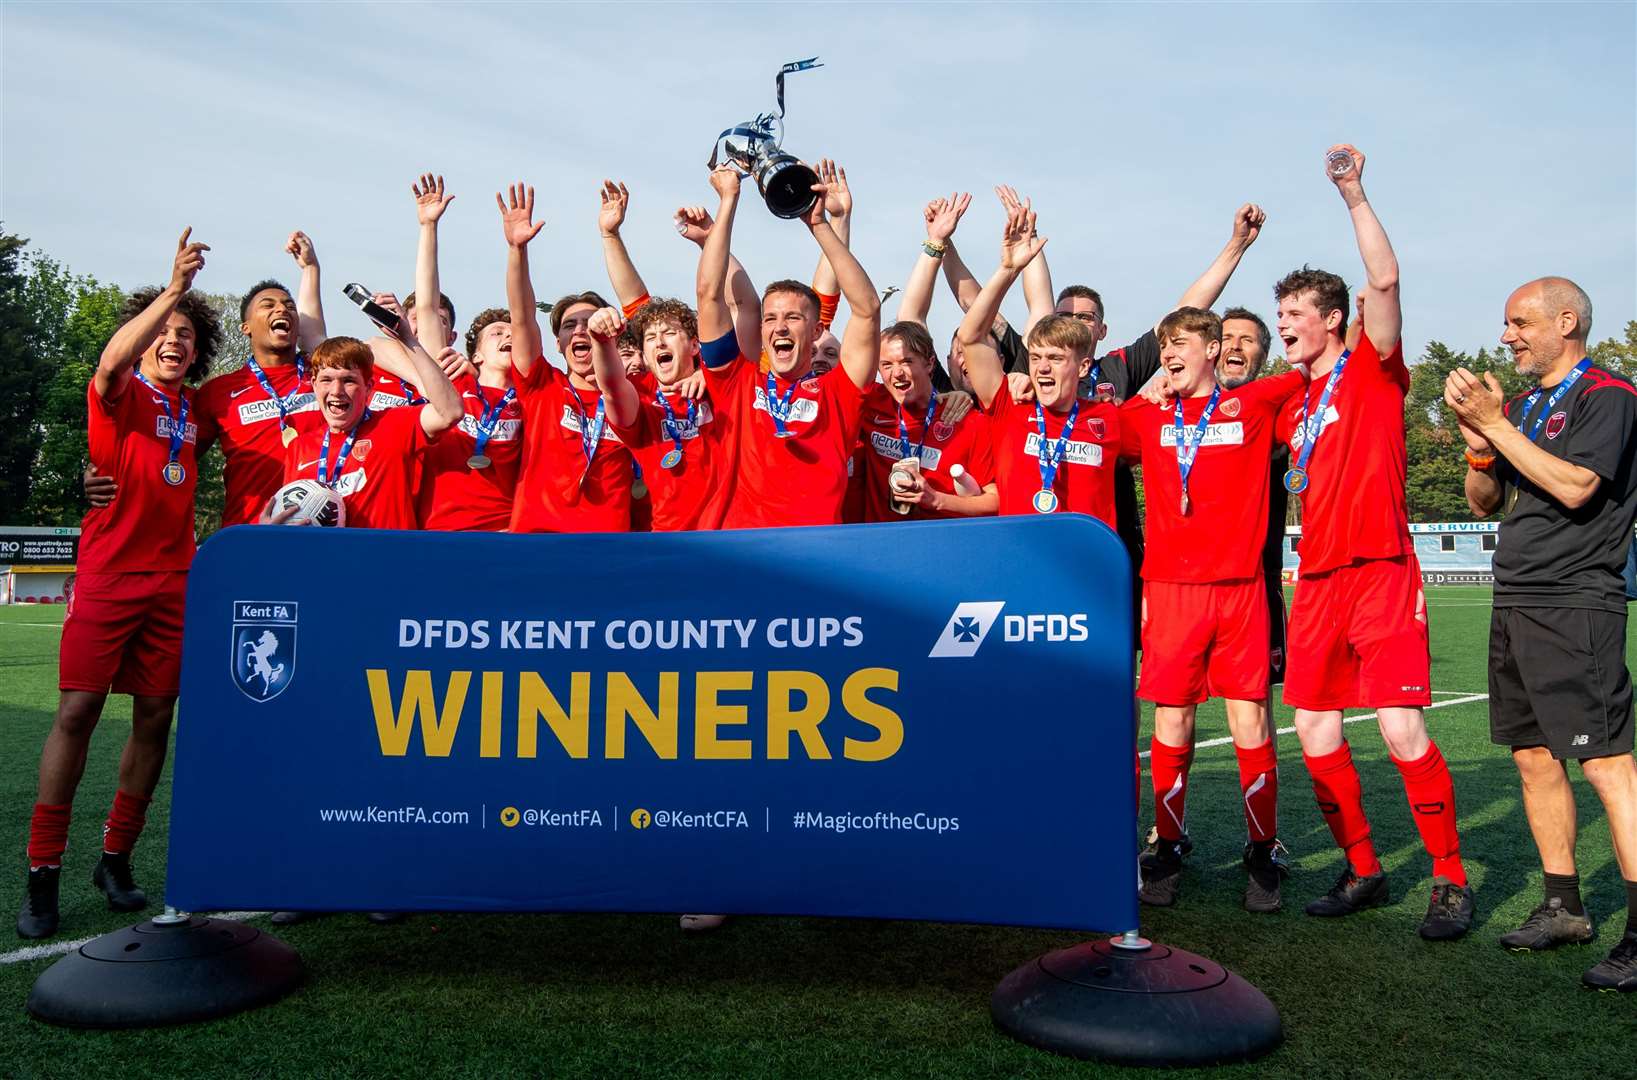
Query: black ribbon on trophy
{"type": "Point", "coordinates": [753, 148]}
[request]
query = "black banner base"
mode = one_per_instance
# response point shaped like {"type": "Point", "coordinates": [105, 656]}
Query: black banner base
{"type": "Point", "coordinates": [1135, 1003]}
{"type": "Point", "coordinates": [157, 973]}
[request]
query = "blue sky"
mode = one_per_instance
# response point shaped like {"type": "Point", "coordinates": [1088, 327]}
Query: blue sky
{"type": "Point", "coordinates": [1502, 139]}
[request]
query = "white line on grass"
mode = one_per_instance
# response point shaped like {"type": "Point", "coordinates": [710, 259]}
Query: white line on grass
{"type": "Point", "coordinates": [58, 625]}
{"type": "Point", "coordinates": [57, 948]}
{"type": "Point", "coordinates": [1226, 739]}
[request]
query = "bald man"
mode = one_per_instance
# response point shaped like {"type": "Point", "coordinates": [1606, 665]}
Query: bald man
{"type": "Point", "coordinates": [1562, 452]}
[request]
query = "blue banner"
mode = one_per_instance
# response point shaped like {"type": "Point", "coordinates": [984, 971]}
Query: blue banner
{"type": "Point", "coordinates": [922, 720]}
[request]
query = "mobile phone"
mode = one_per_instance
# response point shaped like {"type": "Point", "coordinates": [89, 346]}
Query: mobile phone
{"type": "Point", "coordinates": [377, 314]}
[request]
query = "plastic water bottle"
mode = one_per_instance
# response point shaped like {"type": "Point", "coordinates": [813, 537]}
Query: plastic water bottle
{"type": "Point", "coordinates": [964, 484]}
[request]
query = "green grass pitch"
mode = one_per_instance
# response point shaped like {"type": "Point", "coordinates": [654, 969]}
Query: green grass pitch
{"type": "Point", "coordinates": [611, 996]}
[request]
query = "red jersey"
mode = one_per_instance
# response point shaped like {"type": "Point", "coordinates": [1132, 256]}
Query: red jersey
{"type": "Point", "coordinates": [800, 480]}
{"type": "Point", "coordinates": [694, 494]}
{"type": "Point", "coordinates": [149, 526]}
{"type": "Point", "coordinates": [1084, 483]}
{"type": "Point", "coordinates": [237, 410]}
{"type": "Point", "coordinates": [1220, 538]}
{"type": "Point", "coordinates": [1353, 508]}
{"type": "Point", "coordinates": [557, 490]}
{"type": "Point", "coordinates": [940, 446]}
{"type": "Point", "coordinates": [454, 496]}
{"type": "Point", "coordinates": [392, 392]}
{"type": "Point", "coordinates": [377, 481]}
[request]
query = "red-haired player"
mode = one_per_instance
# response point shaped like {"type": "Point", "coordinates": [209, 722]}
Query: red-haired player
{"type": "Point", "coordinates": [123, 630]}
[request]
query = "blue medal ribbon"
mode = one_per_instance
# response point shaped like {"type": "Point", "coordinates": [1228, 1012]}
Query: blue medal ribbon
{"type": "Point", "coordinates": [283, 403]}
{"type": "Point", "coordinates": [341, 457]}
{"type": "Point", "coordinates": [779, 407]}
{"type": "Point", "coordinates": [591, 431]}
{"type": "Point", "coordinates": [926, 426]}
{"type": "Point", "coordinates": [173, 472]}
{"type": "Point", "coordinates": [1188, 449]}
{"type": "Point", "coordinates": [1051, 455]}
{"type": "Point", "coordinates": [1311, 426]}
{"type": "Point", "coordinates": [490, 419]}
{"type": "Point", "coordinates": [1557, 395]}
{"type": "Point", "coordinates": [672, 429]}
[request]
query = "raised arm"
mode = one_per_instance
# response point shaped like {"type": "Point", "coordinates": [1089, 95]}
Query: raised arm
{"type": "Point", "coordinates": [840, 197]}
{"type": "Point", "coordinates": [1019, 245]}
{"type": "Point", "coordinates": [443, 408]}
{"type": "Point", "coordinates": [861, 340]}
{"type": "Point", "coordinates": [430, 203]}
{"type": "Point", "coordinates": [942, 216]}
{"type": "Point", "coordinates": [694, 223]}
{"type": "Point", "coordinates": [622, 272]}
{"type": "Point", "coordinates": [1247, 226]}
{"type": "Point", "coordinates": [518, 224]}
{"type": "Point", "coordinates": [124, 350]}
{"type": "Point", "coordinates": [619, 396]}
{"type": "Point", "coordinates": [310, 333]}
{"type": "Point", "coordinates": [711, 282]}
{"type": "Point", "coordinates": [1383, 318]}
{"type": "Point", "coordinates": [1037, 276]}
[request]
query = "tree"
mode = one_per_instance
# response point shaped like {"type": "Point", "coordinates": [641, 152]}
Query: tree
{"type": "Point", "coordinates": [1616, 355]}
{"type": "Point", "coordinates": [57, 497]}
{"type": "Point", "coordinates": [20, 364]}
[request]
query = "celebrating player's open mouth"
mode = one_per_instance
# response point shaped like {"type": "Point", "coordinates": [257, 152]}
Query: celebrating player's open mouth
{"type": "Point", "coordinates": [342, 396]}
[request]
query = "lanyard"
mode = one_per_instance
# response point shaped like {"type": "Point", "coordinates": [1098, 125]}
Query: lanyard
{"type": "Point", "coordinates": [926, 426]}
{"type": "Point", "coordinates": [1188, 449]}
{"type": "Point", "coordinates": [283, 403]}
{"type": "Point", "coordinates": [411, 397]}
{"type": "Point", "coordinates": [1051, 454]}
{"type": "Point", "coordinates": [591, 431]}
{"type": "Point", "coordinates": [490, 419]}
{"type": "Point", "coordinates": [779, 407]}
{"type": "Point", "coordinates": [1311, 426]}
{"type": "Point", "coordinates": [1557, 395]}
{"type": "Point", "coordinates": [341, 457]}
{"type": "Point", "coordinates": [674, 430]}
{"type": "Point", "coordinates": [178, 428]}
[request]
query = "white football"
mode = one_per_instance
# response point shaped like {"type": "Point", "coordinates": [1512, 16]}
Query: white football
{"type": "Point", "coordinates": [314, 504]}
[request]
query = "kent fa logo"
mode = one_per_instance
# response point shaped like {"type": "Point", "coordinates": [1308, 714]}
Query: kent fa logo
{"type": "Point", "coordinates": [264, 647]}
{"type": "Point", "coordinates": [967, 628]}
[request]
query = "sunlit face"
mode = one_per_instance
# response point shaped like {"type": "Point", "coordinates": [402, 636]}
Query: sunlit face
{"type": "Point", "coordinates": [630, 357]}
{"type": "Point", "coordinates": [1535, 338]}
{"type": "Point", "coordinates": [1056, 371]}
{"type": "Point", "coordinates": [790, 330]}
{"type": "Point", "coordinates": [826, 353]}
{"type": "Point", "coordinates": [668, 351]}
{"type": "Point", "coordinates": [271, 322]}
{"type": "Point", "coordinates": [1190, 360]}
{"type": "Point", "coordinates": [446, 324]}
{"type": "Point", "coordinates": [1242, 354]}
{"type": "Point", "coordinates": [1086, 311]}
{"type": "Point", "coordinates": [574, 340]}
{"type": "Point", "coordinates": [343, 394]}
{"type": "Point", "coordinates": [494, 347]}
{"type": "Point", "coordinates": [906, 374]}
{"type": "Point", "coordinates": [169, 357]}
{"type": "Point", "coordinates": [1307, 332]}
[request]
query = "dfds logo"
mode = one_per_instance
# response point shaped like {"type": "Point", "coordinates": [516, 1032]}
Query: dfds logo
{"type": "Point", "coordinates": [264, 647]}
{"type": "Point", "coordinates": [967, 628]}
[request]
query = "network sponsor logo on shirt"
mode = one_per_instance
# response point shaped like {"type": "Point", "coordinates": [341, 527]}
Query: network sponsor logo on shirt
{"type": "Point", "coordinates": [1299, 436]}
{"type": "Point", "coordinates": [1232, 434]}
{"type": "Point", "coordinates": [164, 425]}
{"type": "Point", "coordinates": [802, 410]}
{"type": "Point", "coordinates": [684, 428]}
{"type": "Point", "coordinates": [505, 430]}
{"type": "Point", "coordinates": [263, 409]}
{"type": "Point", "coordinates": [349, 484]}
{"type": "Point", "coordinates": [382, 401]}
{"type": "Point", "coordinates": [891, 449]}
{"type": "Point", "coordinates": [571, 422]}
{"type": "Point", "coordinates": [1075, 453]}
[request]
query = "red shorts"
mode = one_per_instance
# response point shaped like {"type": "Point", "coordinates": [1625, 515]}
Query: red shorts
{"type": "Point", "coordinates": [1204, 641]}
{"type": "Point", "coordinates": [124, 632]}
{"type": "Point", "coordinates": [1358, 637]}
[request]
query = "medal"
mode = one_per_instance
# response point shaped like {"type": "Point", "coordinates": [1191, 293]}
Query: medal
{"type": "Point", "coordinates": [639, 486]}
{"type": "Point", "coordinates": [1045, 501]}
{"type": "Point", "coordinates": [283, 404]}
{"type": "Point", "coordinates": [173, 470]}
{"type": "Point", "coordinates": [1295, 480]}
{"type": "Point", "coordinates": [1188, 448]}
{"type": "Point", "coordinates": [1309, 427]}
{"type": "Point", "coordinates": [779, 407]}
{"type": "Point", "coordinates": [907, 451]}
{"type": "Point", "coordinates": [1051, 456]}
{"type": "Point", "coordinates": [288, 435]}
{"type": "Point", "coordinates": [174, 473]}
{"type": "Point", "coordinates": [478, 461]}
{"type": "Point", "coordinates": [486, 425]}
{"type": "Point", "coordinates": [1186, 505]}
{"type": "Point", "coordinates": [673, 429]}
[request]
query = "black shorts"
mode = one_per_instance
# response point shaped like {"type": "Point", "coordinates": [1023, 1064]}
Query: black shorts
{"type": "Point", "coordinates": [1558, 679]}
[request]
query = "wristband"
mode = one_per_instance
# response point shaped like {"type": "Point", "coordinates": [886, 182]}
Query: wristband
{"type": "Point", "coordinates": [934, 248]}
{"type": "Point", "coordinates": [1480, 462]}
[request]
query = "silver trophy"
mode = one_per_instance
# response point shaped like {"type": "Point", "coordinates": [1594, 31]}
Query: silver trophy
{"type": "Point", "coordinates": [753, 149]}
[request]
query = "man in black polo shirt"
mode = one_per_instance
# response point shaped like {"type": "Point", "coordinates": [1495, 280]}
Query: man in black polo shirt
{"type": "Point", "coordinates": [1560, 457]}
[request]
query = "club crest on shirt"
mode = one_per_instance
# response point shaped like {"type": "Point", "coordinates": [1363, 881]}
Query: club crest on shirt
{"type": "Point", "coordinates": [163, 427]}
{"type": "Point", "coordinates": [1104, 388]}
{"type": "Point", "coordinates": [1229, 408]}
{"type": "Point", "coordinates": [1096, 428]}
{"type": "Point", "coordinates": [361, 448]}
{"type": "Point", "coordinates": [943, 431]}
{"type": "Point", "coordinates": [1554, 426]}
{"type": "Point", "coordinates": [1076, 453]}
{"type": "Point", "coordinates": [890, 448]}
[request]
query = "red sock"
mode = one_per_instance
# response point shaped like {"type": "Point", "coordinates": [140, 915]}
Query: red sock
{"type": "Point", "coordinates": [1341, 801]}
{"type": "Point", "coordinates": [124, 824]}
{"type": "Point", "coordinates": [1169, 766]}
{"type": "Point", "coordinates": [1259, 781]}
{"type": "Point", "coordinates": [1431, 791]}
{"type": "Point", "coordinates": [47, 835]}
